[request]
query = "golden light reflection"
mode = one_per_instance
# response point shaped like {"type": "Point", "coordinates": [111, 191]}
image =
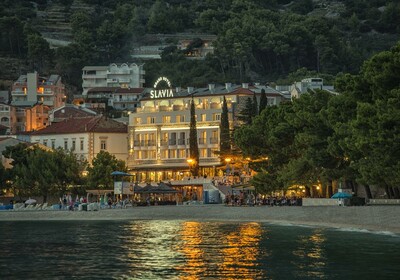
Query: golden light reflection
{"type": "Point", "coordinates": [311, 252]}
{"type": "Point", "coordinates": [241, 252]}
{"type": "Point", "coordinates": [233, 255]}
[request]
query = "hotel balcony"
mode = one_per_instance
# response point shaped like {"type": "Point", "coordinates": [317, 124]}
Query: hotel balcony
{"type": "Point", "coordinates": [124, 80]}
{"type": "Point", "coordinates": [202, 141]}
{"type": "Point", "coordinates": [213, 140]}
{"type": "Point", "coordinates": [88, 76]}
{"type": "Point", "coordinates": [164, 143]}
{"type": "Point", "coordinates": [17, 92]}
{"type": "Point", "coordinates": [181, 142]}
{"type": "Point", "coordinates": [119, 72]}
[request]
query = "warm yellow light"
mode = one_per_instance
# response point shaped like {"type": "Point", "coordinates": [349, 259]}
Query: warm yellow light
{"type": "Point", "coordinates": [317, 187]}
{"type": "Point", "coordinates": [228, 160]}
{"type": "Point", "coordinates": [190, 161]}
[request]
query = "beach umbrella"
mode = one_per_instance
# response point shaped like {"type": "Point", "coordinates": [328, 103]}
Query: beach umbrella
{"type": "Point", "coordinates": [341, 195]}
{"type": "Point", "coordinates": [30, 201]}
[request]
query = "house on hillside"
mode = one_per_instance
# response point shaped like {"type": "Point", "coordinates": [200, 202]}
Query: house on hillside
{"type": "Point", "coordinates": [69, 111]}
{"type": "Point", "coordinates": [85, 136]}
{"type": "Point", "coordinates": [299, 88]}
{"type": "Point", "coordinates": [114, 75]}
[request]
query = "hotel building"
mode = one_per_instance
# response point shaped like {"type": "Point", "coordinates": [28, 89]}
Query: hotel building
{"type": "Point", "coordinates": [158, 132]}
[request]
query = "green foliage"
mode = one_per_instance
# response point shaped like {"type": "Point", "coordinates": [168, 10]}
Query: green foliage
{"type": "Point", "coordinates": [263, 101]}
{"type": "Point", "coordinates": [99, 176]}
{"type": "Point", "coordinates": [193, 144]}
{"type": "Point", "coordinates": [40, 172]}
{"type": "Point", "coordinates": [225, 135]}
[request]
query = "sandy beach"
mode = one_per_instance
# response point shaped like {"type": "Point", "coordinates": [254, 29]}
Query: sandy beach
{"type": "Point", "coordinates": [372, 218]}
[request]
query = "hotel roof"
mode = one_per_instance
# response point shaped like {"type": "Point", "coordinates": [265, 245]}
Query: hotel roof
{"type": "Point", "coordinates": [99, 124]}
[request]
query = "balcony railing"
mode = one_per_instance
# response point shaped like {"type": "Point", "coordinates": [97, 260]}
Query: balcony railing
{"type": "Point", "coordinates": [151, 142]}
{"type": "Point", "coordinates": [172, 142]}
{"type": "Point", "coordinates": [164, 143]}
{"type": "Point", "coordinates": [202, 141]}
{"type": "Point", "coordinates": [213, 140]}
{"type": "Point", "coordinates": [181, 141]}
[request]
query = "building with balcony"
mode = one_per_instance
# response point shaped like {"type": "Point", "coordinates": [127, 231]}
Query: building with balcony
{"type": "Point", "coordinates": [159, 129]}
{"type": "Point", "coordinates": [7, 118]}
{"type": "Point", "coordinates": [28, 116]}
{"type": "Point", "coordinates": [116, 76]}
{"type": "Point", "coordinates": [305, 85]}
{"type": "Point", "coordinates": [49, 91]}
{"type": "Point", "coordinates": [85, 137]}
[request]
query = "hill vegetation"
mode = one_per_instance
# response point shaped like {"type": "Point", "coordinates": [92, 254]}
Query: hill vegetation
{"type": "Point", "coordinates": [257, 40]}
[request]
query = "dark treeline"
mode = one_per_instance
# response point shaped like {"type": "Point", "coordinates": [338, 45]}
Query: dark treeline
{"type": "Point", "coordinates": [257, 40]}
{"type": "Point", "coordinates": [320, 137]}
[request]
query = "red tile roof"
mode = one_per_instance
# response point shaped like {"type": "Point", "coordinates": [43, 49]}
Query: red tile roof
{"type": "Point", "coordinates": [82, 125]}
{"type": "Point", "coordinates": [71, 112]}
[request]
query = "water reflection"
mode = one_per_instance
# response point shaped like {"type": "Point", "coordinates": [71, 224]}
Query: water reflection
{"type": "Point", "coordinates": [212, 251]}
{"type": "Point", "coordinates": [311, 255]}
{"type": "Point", "coordinates": [241, 252]}
{"type": "Point", "coordinates": [191, 250]}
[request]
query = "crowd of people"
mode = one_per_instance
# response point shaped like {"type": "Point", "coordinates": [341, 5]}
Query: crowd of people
{"type": "Point", "coordinates": [249, 199]}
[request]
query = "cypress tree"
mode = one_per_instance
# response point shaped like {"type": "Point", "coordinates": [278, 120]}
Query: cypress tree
{"type": "Point", "coordinates": [263, 101]}
{"type": "Point", "coordinates": [255, 105]}
{"type": "Point", "coordinates": [225, 145]}
{"type": "Point", "coordinates": [194, 147]}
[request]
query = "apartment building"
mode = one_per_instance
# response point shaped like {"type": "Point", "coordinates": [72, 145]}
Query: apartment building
{"type": "Point", "coordinates": [114, 75]}
{"type": "Point", "coordinates": [50, 91]}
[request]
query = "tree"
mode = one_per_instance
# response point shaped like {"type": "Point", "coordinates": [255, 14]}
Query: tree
{"type": "Point", "coordinates": [225, 136]}
{"type": "Point", "coordinates": [99, 174]}
{"type": "Point", "coordinates": [255, 105]}
{"type": "Point", "coordinates": [193, 144]}
{"type": "Point", "coordinates": [263, 101]}
{"type": "Point", "coordinates": [246, 115]}
{"type": "Point", "coordinates": [39, 52]}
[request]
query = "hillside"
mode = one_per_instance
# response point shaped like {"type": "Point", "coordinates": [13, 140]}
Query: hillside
{"type": "Point", "coordinates": [257, 41]}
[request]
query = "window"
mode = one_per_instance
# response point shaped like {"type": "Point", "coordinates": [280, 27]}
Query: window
{"type": "Point", "coordinates": [152, 154]}
{"type": "Point", "coordinates": [166, 119]}
{"type": "Point", "coordinates": [73, 147]}
{"type": "Point", "coordinates": [65, 144]}
{"type": "Point", "coordinates": [82, 144]}
{"type": "Point", "coordinates": [164, 154]}
{"type": "Point", "coordinates": [151, 120]}
{"type": "Point", "coordinates": [103, 145]}
{"type": "Point", "coordinates": [138, 120]}
{"type": "Point", "coordinates": [182, 153]}
{"type": "Point", "coordinates": [203, 117]}
{"type": "Point", "coordinates": [216, 117]}
{"type": "Point", "coordinates": [53, 143]}
{"type": "Point", "coordinates": [180, 118]}
{"type": "Point", "coordinates": [45, 142]}
{"type": "Point", "coordinates": [172, 153]}
{"type": "Point", "coordinates": [271, 100]}
{"type": "Point", "coordinates": [203, 153]}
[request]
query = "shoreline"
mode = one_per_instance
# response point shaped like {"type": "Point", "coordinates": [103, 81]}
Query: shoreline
{"type": "Point", "coordinates": [378, 219]}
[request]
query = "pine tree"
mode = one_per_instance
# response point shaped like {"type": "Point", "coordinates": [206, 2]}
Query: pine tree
{"type": "Point", "coordinates": [194, 147]}
{"type": "Point", "coordinates": [246, 114]}
{"type": "Point", "coordinates": [225, 145]}
{"type": "Point", "coordinates": [263, 101]}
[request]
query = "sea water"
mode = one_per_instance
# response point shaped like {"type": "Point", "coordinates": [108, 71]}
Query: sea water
{"type": "Point", "coordinates": [192, 250]}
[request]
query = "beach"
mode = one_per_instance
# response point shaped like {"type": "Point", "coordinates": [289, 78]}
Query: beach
{"type": "Point", "coordinates": [371, 218]}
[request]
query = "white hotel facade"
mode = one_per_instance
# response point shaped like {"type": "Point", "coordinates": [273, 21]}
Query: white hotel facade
{"type": "Point", "coordinates": [158, 132]}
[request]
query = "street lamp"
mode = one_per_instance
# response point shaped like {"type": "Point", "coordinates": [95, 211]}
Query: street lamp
{"type": "Point", "coordinates": [190, 161]}
{"type": "Point", "coordinates": [227, 170]}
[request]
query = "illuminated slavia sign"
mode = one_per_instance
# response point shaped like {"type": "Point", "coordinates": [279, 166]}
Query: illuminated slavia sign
{"type": "Point", "coordinates": [161, 93]}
